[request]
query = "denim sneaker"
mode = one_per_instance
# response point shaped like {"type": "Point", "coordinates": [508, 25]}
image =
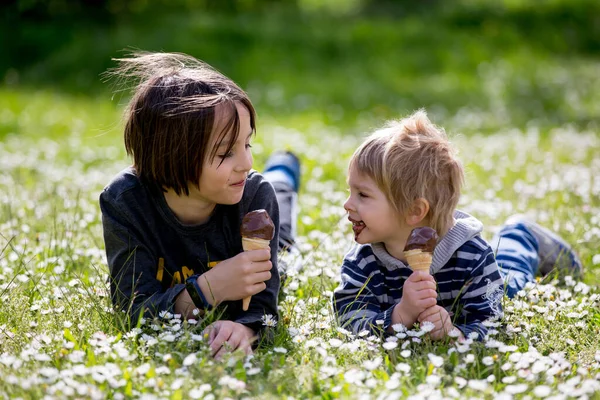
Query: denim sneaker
{"type": "Point", "coordinates": [553, 251]}
{"type": "Point", "coordinates": [287, 163]}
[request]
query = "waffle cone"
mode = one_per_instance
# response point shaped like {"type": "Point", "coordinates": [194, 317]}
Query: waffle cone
{"type": "Point", "coordinates": [255, 244]}
{"type": "Point", "coordinates": [252, 244]}
{"type": "Point", "coordinates": [418, 260]}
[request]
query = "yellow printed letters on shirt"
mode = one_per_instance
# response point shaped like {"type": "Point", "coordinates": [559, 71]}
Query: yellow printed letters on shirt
{"type": "Point", "coordinates": [179, 276]}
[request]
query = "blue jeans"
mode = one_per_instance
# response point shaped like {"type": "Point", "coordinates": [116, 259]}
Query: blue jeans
{"type": "Point", "coordinates": [287, 199]}
{"type": "Point", "coordinates": [516, 250]}
{"type": "Point", "coordinates": [289, 256]}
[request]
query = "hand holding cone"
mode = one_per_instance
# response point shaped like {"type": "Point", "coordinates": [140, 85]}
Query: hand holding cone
{"type": "Point", "coordinates": [419, 248]}
{"type": "Point", "coordinates": [257, 232]}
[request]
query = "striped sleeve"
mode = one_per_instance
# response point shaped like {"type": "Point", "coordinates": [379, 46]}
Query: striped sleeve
{"type": "Point", "coordinates": [358, 299]}
{"type": "Point", "coordinates": [481, 297]}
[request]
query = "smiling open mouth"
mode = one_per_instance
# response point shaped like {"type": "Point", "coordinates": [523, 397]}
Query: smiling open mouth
{"type": "Point", "coordinates": [357, 227]}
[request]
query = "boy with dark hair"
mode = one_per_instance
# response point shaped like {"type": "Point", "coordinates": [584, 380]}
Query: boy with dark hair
{"type": "Point", "coordinates": [172, 220]}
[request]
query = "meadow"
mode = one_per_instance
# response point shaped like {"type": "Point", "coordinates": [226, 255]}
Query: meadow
{"type": "Point", "coordinates": [524, 121]}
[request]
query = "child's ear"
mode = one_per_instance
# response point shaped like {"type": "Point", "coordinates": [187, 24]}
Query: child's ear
{"type": "Point", "coordinates": [417, 211]}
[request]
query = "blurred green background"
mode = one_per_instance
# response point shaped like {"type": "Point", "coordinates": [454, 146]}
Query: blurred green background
{"type": "Point", "coordinates": [476, 65]}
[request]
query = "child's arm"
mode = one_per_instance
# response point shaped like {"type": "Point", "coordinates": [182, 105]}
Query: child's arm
{"type": "Point", "coordinates": [481, 297]}
{"type": "Point", "coordinates": [264, 302]}
{"type": "Point", "coordinates": [356, 300]}
{"type": "Point", "coordinates": [360, 300]}
{"type": "Point", "coordinates": [135, 288]}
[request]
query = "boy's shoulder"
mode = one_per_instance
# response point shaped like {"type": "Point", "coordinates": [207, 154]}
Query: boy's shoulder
{"type": "Point", "coordinates": [475, 245]}
{"type": "Point", "coordinates": [463, 242]}
{"type": "Point", "coordinates": [258, 190]}
{"type": "Point", "coordinates": [254, 182]}
{"type": "Point", "coordinates": [469, 256]}
{"type": "Point", "coordinates": [360, 256]}
{"type": "Point", "coordinates": [125, 181]}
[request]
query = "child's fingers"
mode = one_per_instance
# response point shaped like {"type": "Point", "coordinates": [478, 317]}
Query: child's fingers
{"type": "Point", "coordinates": [211, 331]}
{"type": "Point", "coordinates": [241, 339]}
{"type": "Point", "coordinates": [437, 335]}
{"type": "Point", "coordinates": [426, 294]}
{"type": "Point", "coordinates": [445, 318]}
{"type": "Point", "coordinates": [258, 255]}
{"type": "Point", "coordinates": [427, 313]}
{"type": "Point", "coordinates": [257, 288]}
{"type": "Point", "coordinates": [261, 276]}
{"type": "Point", "coordinates": [421, 276]}
{"type": "Point", "coordinates": [222, 351]}
{"type": "Point", "coordinates": [424, 285]}
{"type": "Point", "coordinates": [427, 302]}
{"type": "Point", "coordinates": [244, 345]}
{"type": "Point", "coordinates": [417, 276]}
{"type": "Point", "coordinates": [234, 340]}
{"type": "Point", "coordinates": [261, 266]}
{"type": "Point", "coordinates": [438, 317]}
{"type": "Point", "coordinates": [220, 340]}
{"type": "Point", "coordinates": [443, 329]}
{"type": "Point", "coordinates": [238, 340]}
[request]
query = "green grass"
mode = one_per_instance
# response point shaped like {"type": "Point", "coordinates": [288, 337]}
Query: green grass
{"type": "Point", "coordinates": [60, 338]}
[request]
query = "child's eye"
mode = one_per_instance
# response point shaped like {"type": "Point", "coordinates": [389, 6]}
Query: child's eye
{"type": "Point", "coordinates": [361, 194]}
{"type": "Point", "coordinates": [228, 155]}
{"type": "Point", "coordinates": [248, 146]}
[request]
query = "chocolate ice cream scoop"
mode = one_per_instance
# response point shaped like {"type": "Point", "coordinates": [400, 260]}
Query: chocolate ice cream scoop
{"type": "Point", "coordinates": [423, 238]}
{"type": "Point", "coordinates": [257, 230]}
{"type": "Point", "coordinates": [257, 225]}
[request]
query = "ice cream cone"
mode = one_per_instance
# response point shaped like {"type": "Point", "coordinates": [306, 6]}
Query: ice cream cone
{"type": "Point", "coordinates": [418, 260]}
{"type": "Point", "coordinates": [252, 244]}
{"type": "Point", "coordinates": [255, 244]}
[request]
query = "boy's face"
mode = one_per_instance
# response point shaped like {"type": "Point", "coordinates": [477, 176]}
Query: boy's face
{"type": "Point", "coordinates": [223, 179]}
{"type": "Point", "coordinates": [373, 218]}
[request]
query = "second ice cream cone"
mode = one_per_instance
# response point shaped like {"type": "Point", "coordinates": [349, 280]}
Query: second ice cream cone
{"type": "Point", "coordinates": [252, 244]}
{"type": "Point", "coordinates": [419, 260]}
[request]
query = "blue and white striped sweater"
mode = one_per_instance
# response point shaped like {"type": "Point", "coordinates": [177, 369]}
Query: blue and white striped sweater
{"type": "Point", "coordinates": [469, 283]}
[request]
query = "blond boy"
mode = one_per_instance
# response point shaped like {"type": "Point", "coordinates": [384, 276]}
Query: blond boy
{"type": "Point", "coordinates": [404, 176]}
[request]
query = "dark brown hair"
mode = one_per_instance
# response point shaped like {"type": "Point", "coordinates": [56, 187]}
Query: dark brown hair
{"type": "Point", "coordinates": [170, 118]}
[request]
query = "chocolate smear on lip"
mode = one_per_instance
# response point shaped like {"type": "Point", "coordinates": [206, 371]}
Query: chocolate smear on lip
{"type": "Point", "coordinates": [423, 238]}
{"type": "Point", "coordinates": [257, 224]}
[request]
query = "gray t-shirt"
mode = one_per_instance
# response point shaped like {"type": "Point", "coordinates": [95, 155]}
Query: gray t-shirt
{"type": "Point", "coordinates": [151, 253]}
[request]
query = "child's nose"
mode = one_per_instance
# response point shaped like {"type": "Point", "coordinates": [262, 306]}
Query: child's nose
{"type": "Point", "coordinates": [245, 163]}
{"type": "Point", "coordinates": [348, 204]}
